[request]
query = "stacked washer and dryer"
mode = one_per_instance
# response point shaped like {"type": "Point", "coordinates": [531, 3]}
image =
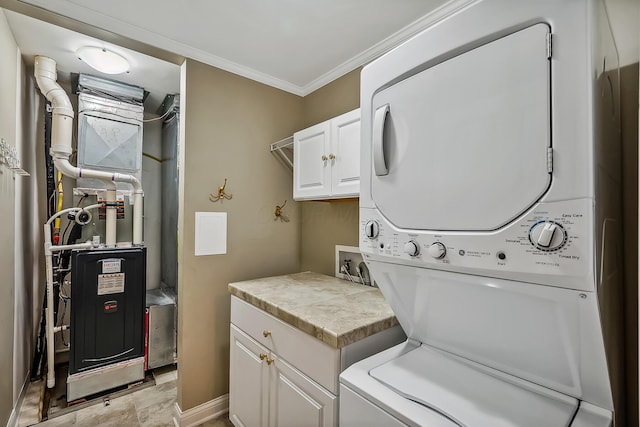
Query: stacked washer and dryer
{"type": "Point", "coordinates": [490, 220]}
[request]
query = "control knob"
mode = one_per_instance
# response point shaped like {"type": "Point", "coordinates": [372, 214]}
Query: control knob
{"type": "Point", "coordinates": [547, 235]}
{"type": "Point", "coordinates": [437, 250]}
{"type": "Point", "coordinates": [371, 229]}
{"type": "Point", "coordinates": [412, 248]}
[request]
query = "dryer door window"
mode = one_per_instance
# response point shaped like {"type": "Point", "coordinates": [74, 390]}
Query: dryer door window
{"type": "Point", "coordinates": [465, 143]}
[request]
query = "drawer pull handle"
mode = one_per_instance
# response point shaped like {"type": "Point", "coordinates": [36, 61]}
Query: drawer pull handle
{"type": "Point", "coordinates": [324, 158]}
{"type": "Point", "coordinates": [332, 156]}
{"type": "Point", "coordinates": [266, 333]}
{"type": "Point", "coordinates": [264, 356]}
{"type": "Point", "coordinates": [269, 361]}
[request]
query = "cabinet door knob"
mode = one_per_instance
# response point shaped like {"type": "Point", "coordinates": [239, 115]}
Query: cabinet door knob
{"type": "Point", "coordinates": [332, 156]}
{"type": "Point", "coordinates": [269, 361]}
{"type": "Point", "coordinates": [324, 158]}
{"type": "Point", "coordinates": [263, 356]}
{"type": "Point", "coordinates": [266, 333]}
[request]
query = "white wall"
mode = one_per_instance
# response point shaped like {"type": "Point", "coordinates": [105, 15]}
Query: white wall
{"type": "Point", "coordinates": [8, 51]}
{"type": "Point", "coordinates": [624, 16]}
{"type": "Point", "coordinates": [21, 216]}
{"type": "Point", "coordinates": [23, 275]}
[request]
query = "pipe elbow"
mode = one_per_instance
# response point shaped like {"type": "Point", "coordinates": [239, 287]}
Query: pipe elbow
{"type": "Point", "coordinates": [135, 183]}
{"type": "Point", "coordinates": [46, 78]}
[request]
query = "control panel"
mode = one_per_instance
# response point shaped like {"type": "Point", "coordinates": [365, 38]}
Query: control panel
{"type": "Point", "coordinates": [549, 244]}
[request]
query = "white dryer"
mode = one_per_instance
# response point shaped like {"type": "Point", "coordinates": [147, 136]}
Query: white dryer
{"type": "Point", "coordinates": [489, 218]}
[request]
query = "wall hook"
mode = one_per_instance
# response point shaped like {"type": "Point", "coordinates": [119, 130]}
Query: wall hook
{"type": "Point", "coordinates": [279, 214]}
{"type": "Point", "coordinates": [221, 193]}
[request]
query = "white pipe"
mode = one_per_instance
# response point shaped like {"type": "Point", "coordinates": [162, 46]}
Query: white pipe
{"type": "Point", "coordinates": [51, 378]}
{"type": "Point", "coordinates": [61, 328]}
{"type": "Point", "coordinates": [110, 238]}
{"type": "Point", "coordinates": [59, 248]}
{"type": "Point", "coordinates": [48, 252]}
{"type": "Point", "coordinates": [74, 209]}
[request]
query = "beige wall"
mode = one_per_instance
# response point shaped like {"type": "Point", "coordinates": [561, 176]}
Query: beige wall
{"type": "Point", "coordinates": [326, 224]}
{"type": "Point", "coordinates": [229, 122]}
{"type": "Point", "coordinates": [337, 97]}
{"type": "Point", "coordinates": [629, 123]}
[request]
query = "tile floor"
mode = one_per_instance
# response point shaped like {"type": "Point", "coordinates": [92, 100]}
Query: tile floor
{"type": "Point", "coordinates": [148, 407]}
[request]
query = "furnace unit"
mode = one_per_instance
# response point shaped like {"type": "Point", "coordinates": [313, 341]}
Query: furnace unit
{"type": "Point", "coordinates": [107, 319]}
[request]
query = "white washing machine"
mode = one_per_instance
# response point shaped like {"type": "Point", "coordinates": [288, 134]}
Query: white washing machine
{"type": "Point", "coordinates": [489, 218]}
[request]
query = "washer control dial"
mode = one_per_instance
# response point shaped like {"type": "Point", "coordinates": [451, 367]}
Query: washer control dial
{"type": "Point", "coordinates": [412, 248]}
{"type": "Point", "coordinates": [371, 229]}
{"type": "Point", "coordinates": [547, 236]}
{"type": "Point", "coordinates": [437, 250]}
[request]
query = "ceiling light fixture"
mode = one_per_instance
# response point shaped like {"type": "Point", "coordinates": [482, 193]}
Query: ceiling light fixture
{"type": "Point", "coordinates": [103, 60]}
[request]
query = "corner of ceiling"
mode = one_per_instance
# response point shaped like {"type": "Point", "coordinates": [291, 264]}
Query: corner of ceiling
{"type": "Point", "coordinates": [386, 45]}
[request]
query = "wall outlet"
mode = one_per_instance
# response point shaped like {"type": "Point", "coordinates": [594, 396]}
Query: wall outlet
{"type": "Point", "coordinates": [349, 258]}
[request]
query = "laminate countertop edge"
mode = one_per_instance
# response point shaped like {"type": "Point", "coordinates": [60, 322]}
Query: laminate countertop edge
{"type": "Point", "coordinates": [335, 311]}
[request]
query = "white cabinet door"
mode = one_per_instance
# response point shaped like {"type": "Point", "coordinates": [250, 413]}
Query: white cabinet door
{"type": "Point", "coordinates": [311, 164]}
{"type": "Point", "coordinates": [298, 401]}
{"type": "Point", "coordinates": [326, 159]}
{"type": "Point", "coordinates": [248, 381]}
{"type": "Point", "coordinates": [345, 154]}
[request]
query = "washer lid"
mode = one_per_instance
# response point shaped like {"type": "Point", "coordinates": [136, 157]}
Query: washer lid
{"type": "Point", "coordinates": [471, 394]}
{"type": "Point", "coordinates": [464, 144]}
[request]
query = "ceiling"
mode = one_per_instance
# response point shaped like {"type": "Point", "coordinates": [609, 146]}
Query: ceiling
{"type": "Point", "coordinates": [35, 37]}
{"type": "Point", "coordinates": [295, 45]}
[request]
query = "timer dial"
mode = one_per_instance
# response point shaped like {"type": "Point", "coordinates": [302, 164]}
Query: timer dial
{"type": "Point", "coordinates": [412, 248]}
{"type": "Point", "coordinates": [548, 236]}
{"type": "Point", "coordinates": [371, 229]}
{"type": "Point", "coordinates": [437, 250]}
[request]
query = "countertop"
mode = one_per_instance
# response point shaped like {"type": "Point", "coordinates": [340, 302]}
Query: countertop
{"type": "Point", "coordinates": [333, 310]}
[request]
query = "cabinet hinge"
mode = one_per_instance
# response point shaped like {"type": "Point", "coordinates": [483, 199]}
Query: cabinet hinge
{"type": "Point", "coordinates": [549, 45]}
{"type": "Point", "coordinates": [549, 159]}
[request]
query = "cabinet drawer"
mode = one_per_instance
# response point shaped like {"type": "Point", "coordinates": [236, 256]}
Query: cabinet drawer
{"type": "Point", "coordinates": [311, 356]}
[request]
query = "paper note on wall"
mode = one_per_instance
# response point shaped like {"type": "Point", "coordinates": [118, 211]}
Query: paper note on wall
{"type": "Point", "coordinates": [211, 233]}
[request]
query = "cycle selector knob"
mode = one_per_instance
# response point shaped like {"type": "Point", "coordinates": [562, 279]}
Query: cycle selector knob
{"type": "Point", "coordinates": [437, 250]}
{"type": "Point", "coordinates": [412, 248]}
{"type": "Point", "coordinates": [371, 229]}
{"type": "Point", "coordinates": [548, 236]}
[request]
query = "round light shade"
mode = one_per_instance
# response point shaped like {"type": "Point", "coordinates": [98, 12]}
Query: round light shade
{"type": "Point", "coordinates": [103, 60]}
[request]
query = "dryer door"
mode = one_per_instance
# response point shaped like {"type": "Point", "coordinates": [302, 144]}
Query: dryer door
{"type": "Point", "coordinates": [465, 143]}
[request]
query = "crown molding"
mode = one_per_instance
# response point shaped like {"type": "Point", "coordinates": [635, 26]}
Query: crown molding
{"type": "Point", "coordinates": [387, 44]}
{"type": "Point", "coordinates": [108, 24]}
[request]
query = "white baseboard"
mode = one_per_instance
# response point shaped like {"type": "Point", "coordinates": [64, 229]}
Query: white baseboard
{"type": "Point", "coordinates": [201, 413]}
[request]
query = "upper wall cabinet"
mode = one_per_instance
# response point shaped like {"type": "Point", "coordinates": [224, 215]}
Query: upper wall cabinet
{"type": "Point", "coordinates": [326, 159]}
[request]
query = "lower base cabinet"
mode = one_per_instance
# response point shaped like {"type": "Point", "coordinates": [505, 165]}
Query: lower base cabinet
{"type": "Point", "coordinates": [280, 376]}
{"type": "Point", "coordinates": [249, 381]}
{"type": "Point", "coordinates": [298, 401]}
{"type": "Point", "coordinates": [267, 391]}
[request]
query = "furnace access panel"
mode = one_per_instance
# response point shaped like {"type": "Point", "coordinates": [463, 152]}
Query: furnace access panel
{"type": "Point", "coordinates": [108, 303]}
